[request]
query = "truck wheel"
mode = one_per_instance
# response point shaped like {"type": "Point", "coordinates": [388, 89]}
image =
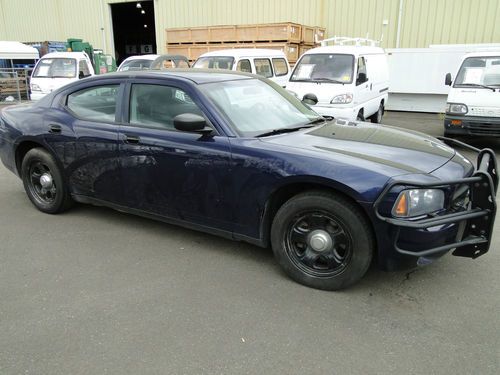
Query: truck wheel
{"type": "Point", "coordinates": [360, 116]}
{"type": "Point", "coordinates": [377, 116]}
{"type": "Point", "coordinates": [322, 240]}
{"type": "Point", "coordinates": [44, 183]}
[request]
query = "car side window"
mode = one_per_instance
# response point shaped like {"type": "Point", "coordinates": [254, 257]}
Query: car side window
{"type": "Point", "coordinates": [244, 66]}
{"type": "Point", "coordinates": [83, 69]}
{"type": "Point", "coordinates": [96, 103]}
{"type": "Point", "coordinates": [361, 76]}
{"type": "Point", "coordinates": [263, 67]}
{"type": "Point", "coordinates": [157, 105]}
{"type": "Point", "coordinates": [280, 67]}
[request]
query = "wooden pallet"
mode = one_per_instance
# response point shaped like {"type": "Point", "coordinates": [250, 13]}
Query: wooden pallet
{"type": "Point", "coordinates": [8, 87]}
{"type": "Point", "coordinates": [312, 34]}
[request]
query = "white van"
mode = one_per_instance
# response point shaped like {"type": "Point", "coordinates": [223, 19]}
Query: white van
{"type": "Point", "coordinates": [473, 104]}
{"type": "Point", "coordinates": [343, 81]}
{"type": "Point", "coordinates": [138, 62]}
{"type": "Point", "coordinates": [268, 63]}
{"type": "Point", "coordinates": [57, 69]}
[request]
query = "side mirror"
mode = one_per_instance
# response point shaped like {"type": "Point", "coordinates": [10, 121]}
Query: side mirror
{"type": "Point", "coordinates": [310, 99]}
{"type": "Point", "coordinates": [361, 78]}
{"type": "Point", "coordinates": [447, 79]}
{"type": "Point", "coordinates": [190, 122]}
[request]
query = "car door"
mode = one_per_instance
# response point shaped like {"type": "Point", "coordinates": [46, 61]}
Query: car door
{"type": "Point", "coordinates": [181, 175]}
{"type": "Point", "coordinates": [362, 91]}
{"type": "Point", "coordinates": [84, 134]}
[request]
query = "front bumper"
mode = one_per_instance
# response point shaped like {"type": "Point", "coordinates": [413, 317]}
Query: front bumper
{"type": "Point", "coordinates": [472, 125]}
{"type": "Point", "coordinates": [348, 113]}
{"type": "Point", "coordinates": [468, 231]}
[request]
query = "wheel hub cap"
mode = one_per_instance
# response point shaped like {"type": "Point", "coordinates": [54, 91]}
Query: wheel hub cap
{"type": "Point", "coordinates": [46, 181]}
{"type": "Point", "coordinates": [320, 240]}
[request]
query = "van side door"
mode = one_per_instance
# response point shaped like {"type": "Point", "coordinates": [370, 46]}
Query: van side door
{"type": "Point", "coordinates": [362, 93]}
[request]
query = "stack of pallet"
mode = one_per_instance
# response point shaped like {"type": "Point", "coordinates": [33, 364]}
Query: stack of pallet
{"type": "Point", "coordinates": [291, 38]}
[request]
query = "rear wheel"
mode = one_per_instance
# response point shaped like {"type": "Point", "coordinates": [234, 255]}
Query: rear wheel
{"type": "Point", "coordinates": [322, 240]}
{"type": "Point", "coordinates": [43, 182]}
{"type": "Point", "coordinates": [377, 116]}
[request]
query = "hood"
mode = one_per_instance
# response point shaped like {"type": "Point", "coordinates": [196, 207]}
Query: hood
{"type": "Point", "coordinates": [324, 91]}
{"type": "Point", "coordinates": [402, 149]}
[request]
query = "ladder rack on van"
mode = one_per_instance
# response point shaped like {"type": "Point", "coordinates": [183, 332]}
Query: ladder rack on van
{"type": "Point", "coordinates": [342, 40]}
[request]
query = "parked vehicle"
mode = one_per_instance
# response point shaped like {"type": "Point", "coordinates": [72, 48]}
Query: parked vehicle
{"type": "Point", "coordinates": [473, 105]}
{"type": "Point", "coordinates": [170, 62]}
{"type": "Point", "coordinates": [139, 62]}
{"type": "Point", "coordinates": [236, 155]}
{"type": "Point", "coordinates": [343, 81]}
{"type": "Point", "coordinates": [57, 69]}
{"type": "Point", "coordinates": [267, 63]}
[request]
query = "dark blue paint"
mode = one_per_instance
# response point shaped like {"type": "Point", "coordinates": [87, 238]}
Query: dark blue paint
{"type": "Point", "coordinates": [224, 182]}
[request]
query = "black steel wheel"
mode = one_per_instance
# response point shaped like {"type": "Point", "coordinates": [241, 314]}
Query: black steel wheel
{"type": "Point", "coordinates": [322, 240]}
{"type": "Point", "coordinates": [43, 182]}
{"type": "Point", "coordinates": [377, 116]}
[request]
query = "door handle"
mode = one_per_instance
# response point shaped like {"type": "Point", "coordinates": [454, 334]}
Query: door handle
{"type": "Point", "coordinates": [56, 129]}
{"type": "Point", "coordinates": [130, 139]}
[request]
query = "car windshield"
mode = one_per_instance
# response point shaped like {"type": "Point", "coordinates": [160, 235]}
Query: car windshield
{"type": "Point", "coordinates": [324, 67]}
{"type": "Point", "coordinates": [56, 68]}
{"type": "Point", "coordinates": [479, 71]}
{"type": "Point", "coordinates": [214, 62]}
{"type": "Point", "coordinates": [142, 64]}
{"type": "Point", "coordinates": [254, 107]}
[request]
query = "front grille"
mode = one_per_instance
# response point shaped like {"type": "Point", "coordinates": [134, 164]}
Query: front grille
{"type": "Point", "coordinates": [484, 128]}
{"type": "Point", "coordinates": [484, 111]}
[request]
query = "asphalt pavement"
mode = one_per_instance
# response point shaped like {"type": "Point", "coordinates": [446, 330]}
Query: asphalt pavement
{"type": "Point", "coordinates": [95, 291]}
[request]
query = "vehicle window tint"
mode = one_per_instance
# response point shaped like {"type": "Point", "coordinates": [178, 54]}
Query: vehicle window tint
{"type": "Point", "coordinates": [94, 103]}
{"type": "Point", "coordinates": [83, 68]}
{"type": "Point", "coordinates": [244, 66]}
{"type": "Point", "coordinates": [182, 64]}
{"type": "Point", "coordinates": [136, 65]}
{"type": "Point", "coordinates": [56, 68]}
{"type": "Point", "coordinates": [214, 62]}
{"type": "Point", "coordinates": [263, 67]}
{"type": "Point", "coordinates": [156, 105]}
{"type": "Point", "coordinates": [280, 67]}
{"type": "Point", "coordinates": [361, 70]}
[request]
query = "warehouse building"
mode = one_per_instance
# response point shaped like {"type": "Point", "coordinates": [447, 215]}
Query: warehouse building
{"type": "Point", "coordinates": [128, 27]}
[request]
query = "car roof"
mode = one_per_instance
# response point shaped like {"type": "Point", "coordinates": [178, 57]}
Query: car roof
{"type": "Point", "coordinates": [141, 57]}
{"type": "Point", "coordinates": [351, 50]}
{"type": "Point", "coordinates": [65, 55]}
{"type": "Point", "coordinates": [247, 52]}
{"type": "Point", "coordinates": [483, 54]}
{"type": "Point", "coordinates": [197, 76]}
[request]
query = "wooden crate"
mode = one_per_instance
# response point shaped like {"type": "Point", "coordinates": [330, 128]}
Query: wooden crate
{"type": "Point", "coordinates": [289, 32]}
{"type": "Point", "coordinates": [320, 33]}
{"type": "Point", "coordinates": [187, 35]}
{"type": "Point", "coordinates": [307, 35]}
{"type": "Point", "coordinates": [291, 50]}
{"type": "Point", "coordinates": [304, 48]}
{"type": "Point", "coordinates": [222, 34]}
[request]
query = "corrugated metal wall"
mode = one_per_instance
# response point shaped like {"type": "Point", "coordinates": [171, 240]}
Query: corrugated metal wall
{"type": "Point", "coordinates": [423, 22]}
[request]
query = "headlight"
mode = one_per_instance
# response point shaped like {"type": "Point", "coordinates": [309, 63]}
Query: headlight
{"type": "Point", "coordinates": [416, 202]}
{"type": "Point", "coordinates": [456, 108]}
{"type": "Point", "coordinates": [341, 99]}
{"type": "Point", "coordinates": [35, 87]}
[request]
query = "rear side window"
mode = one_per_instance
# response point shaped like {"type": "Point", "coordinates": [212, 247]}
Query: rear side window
{"type": "Point", "coordinates": [263, 67]}
{"type": "Point", "coordinates": [94, 103]}
{"type": "Point", "coordinates": [83, 68]}
{"type": "Point", "coordinates": [280, 67]}
{"type": "Point", "coordinates": [244, 66]}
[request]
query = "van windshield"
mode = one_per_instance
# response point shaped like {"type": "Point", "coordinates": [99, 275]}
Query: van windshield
{"type": "Point", "coordinates": [324, 67]}
{"type": "Point", "coordinates": [55, 68]}
{"type": "Point", "coordinates": [479, 71]}
{"type": "Point", "coordinates": [214, 62]}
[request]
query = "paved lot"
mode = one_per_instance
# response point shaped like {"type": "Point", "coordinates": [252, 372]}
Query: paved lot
{"type": "Point", "coordinates": [95, 291]}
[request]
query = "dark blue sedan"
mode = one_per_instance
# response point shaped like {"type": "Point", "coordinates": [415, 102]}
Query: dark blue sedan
{"type": "Point", "coordinates": [238, 156]}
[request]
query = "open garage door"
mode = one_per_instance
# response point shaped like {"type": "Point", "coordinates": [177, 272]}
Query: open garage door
{"type": "Point", "coordinates": [133, 29]}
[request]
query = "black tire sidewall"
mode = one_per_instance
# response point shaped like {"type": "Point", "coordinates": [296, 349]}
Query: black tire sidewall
{"type": "Point", "coordinates": [352, 220]}
{"type": "Point", "coordinates": [38, 154]}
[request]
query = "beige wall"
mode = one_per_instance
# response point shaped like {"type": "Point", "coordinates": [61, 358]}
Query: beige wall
{"type": "Point", "coordinates": [423, 22]}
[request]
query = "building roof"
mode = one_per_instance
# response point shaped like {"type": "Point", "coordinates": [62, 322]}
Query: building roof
{"type": "Point", "coordinates": [16, 50]}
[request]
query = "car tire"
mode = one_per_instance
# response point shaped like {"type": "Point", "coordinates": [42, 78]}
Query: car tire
{"type": "Point", "coordinates": [44, 183]}
{"type": "Point", "coordinates": [322, 240]}
{"type": "Point", "coordinates": [360, 116]}
{"type": "Point", "coordinates": [377, 116]}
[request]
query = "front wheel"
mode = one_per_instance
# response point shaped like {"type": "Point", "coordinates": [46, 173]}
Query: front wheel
{"type": "Point", "coordinates": [377, 116]}
{"type": "Point", "coordinates": [43, 182]}
{"type": "Point", "coordinates": [322, 240]}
